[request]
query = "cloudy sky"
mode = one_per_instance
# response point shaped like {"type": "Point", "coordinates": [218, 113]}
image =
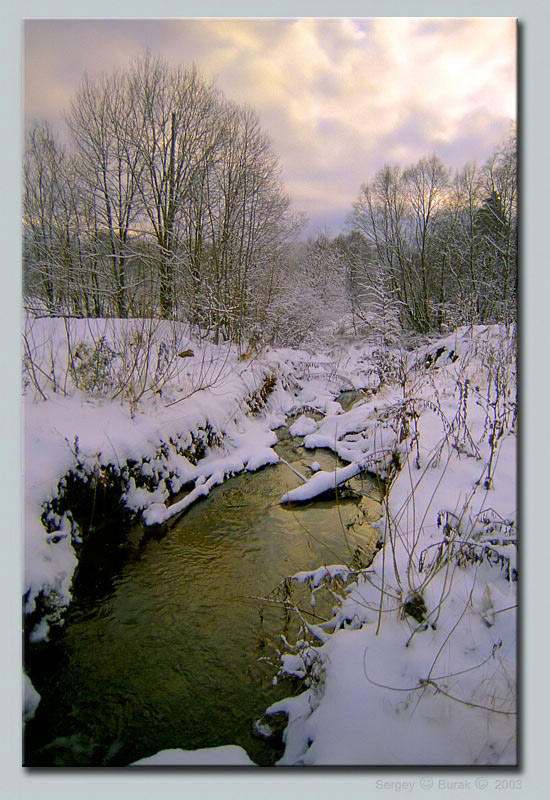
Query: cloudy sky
{"type": "Point", "coordinates": [339, 97]}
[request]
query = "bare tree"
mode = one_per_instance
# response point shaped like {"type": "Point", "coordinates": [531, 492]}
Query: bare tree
{"type": "Point", "coordinates": [176, 134]}
{"type": "Point", "coordinates": [497, 224]}
{"type": "Point", "coordinates": [249, 221]}
{"type": "Point", "coordinates": [382, 215]}
{"type": "Point", "coordinates": [426, 184]}
{"type": "Point", "coordinates": [170, 203]}
{"type": "Point", "coordinates": [448, 248]}
{"type": "Point", "coordinates": [46, 216]}
{"type": "Point", "coordinates": [109, 168]}
{"type": "Point", "coordinates": [463, 240]}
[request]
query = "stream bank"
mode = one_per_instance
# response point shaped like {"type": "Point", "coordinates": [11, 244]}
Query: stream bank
{"type": "Point", "coordinates": [167, 642]}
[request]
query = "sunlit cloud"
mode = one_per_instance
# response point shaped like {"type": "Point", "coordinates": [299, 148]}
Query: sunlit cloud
{"type": "Point", "coordinates": [339, 97]}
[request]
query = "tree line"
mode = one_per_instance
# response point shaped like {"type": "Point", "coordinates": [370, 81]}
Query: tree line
{"type": "Point", "coordinates": [426, 250]}
{"type": "Point", "coordinates": [167, 201]}
{"type": "Point", "coordinates": [441, 248]}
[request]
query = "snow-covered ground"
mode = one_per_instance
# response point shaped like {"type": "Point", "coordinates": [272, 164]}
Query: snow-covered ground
{"type": "Point", "coordinates": [418, 664]}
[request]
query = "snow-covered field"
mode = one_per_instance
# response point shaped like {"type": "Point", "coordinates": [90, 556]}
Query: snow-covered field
{"type": "Point", "coordinates": [418, 664]}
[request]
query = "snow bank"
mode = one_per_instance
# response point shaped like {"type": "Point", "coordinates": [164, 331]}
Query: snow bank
{"type": "Point", "coordinates": [201, 409]}
{"type": "Point", "coordinates": [424, 673]}
{"type": "Point", "coordinates": [230, 755]}
{"type": "Point", "coordinates": [303, 426]}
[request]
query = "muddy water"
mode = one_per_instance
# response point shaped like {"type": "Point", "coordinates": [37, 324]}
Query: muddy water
{"type": "Point", "coordinates": [165, 652]}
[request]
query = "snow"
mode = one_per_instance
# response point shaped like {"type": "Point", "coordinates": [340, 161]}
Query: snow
{"type": "Point", "coordinates": [228, 755]}
{"type": "Point", "coordinates": [320, 482]}
{"type": "Point", "coordinates": [303, 426]}
{"type": "Point", "coordinates": [253, 451]}
{"type": "Point", "coordinates": [293, 665]}
{"type": "Point", "coordinates": [31, 699]}
{"type": "Point", "coordinates": [316, 576]}
{"type": "Point", "coordinates": [262, 729]}
{"type": "Point", "coordinates": [396, 690]}
{"type": "Point", "coordinates": [422, 673]}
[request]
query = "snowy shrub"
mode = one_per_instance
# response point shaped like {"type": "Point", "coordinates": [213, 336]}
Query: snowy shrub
{"type": "Point", "coordinates": [93, 367]}
{"type": "Point", "coordinates": [486, 539]}
{"type": "Point", "coordinates": [257, 400]}
{"type": "Point", "coordinates": [128, 360]}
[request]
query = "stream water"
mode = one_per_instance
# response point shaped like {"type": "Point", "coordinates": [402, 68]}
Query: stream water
{"type": "Point", "coordinates": [161, 644]}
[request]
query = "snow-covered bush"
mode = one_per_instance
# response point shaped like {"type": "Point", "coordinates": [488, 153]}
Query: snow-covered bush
{"type": "Point", "coordinates": [93, 367]}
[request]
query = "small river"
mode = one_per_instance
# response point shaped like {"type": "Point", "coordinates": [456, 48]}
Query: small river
{"type": "Point", "coordinates": [161, 645]}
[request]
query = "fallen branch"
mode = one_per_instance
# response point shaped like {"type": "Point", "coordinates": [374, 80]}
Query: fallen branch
{"type": "Point", "coordinates": [295, 471]}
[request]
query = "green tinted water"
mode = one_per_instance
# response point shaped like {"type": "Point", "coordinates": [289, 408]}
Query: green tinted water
{"type": "Point", "coordinates": [161, 650]}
